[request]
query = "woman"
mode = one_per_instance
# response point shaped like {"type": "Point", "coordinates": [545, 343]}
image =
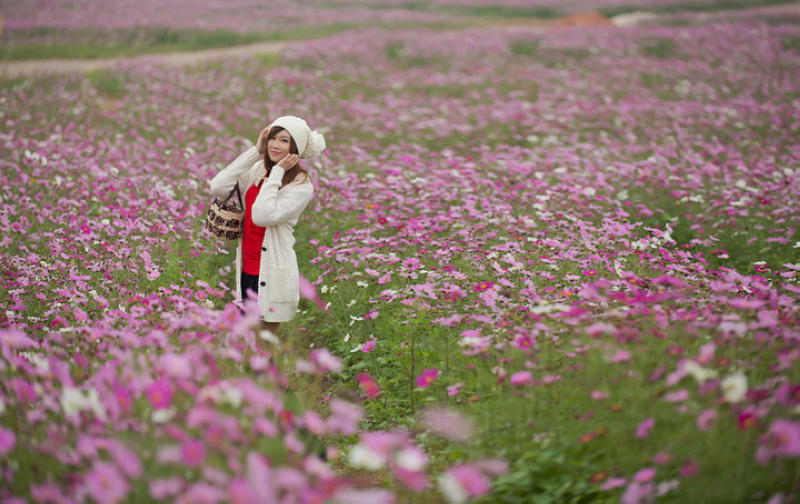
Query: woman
{"type": "Point", "coordinates": [276, 189]}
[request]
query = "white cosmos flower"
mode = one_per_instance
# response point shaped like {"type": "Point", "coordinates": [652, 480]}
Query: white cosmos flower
{"type": "Point", "coordinates": [452, 489]}
{"type": "Point", "coordinates": [699, 373]}
{"type": "Point", "coordinates": [93, 403]}
{"type": "Point", "coordinates": [734, 386]}
{"type": "Point", "coordinates": [72, 401]}
{"type": "Point", "coordinates": [549, 308]}
{"type": "Point", "coordinates": [232, 396]}
{"type": "Point", "coordinates": [163, 415]}
{"type": "Point", "coordinates": [269, 336]}
{"type": "Point", "coordinates": [361, 456]}
{"type": "Point", "coordinates": [411, 459]}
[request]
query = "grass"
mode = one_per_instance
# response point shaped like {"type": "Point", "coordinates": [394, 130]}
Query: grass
{"type": "Point", "coordinates": [107, 82]}
{"type": "Point", "coordinates": [165, 40]}
{"type": "Point", "coordinates": [497, 11]}
{"type": "Point", "coordinates": [693, 6]}
{"type": "Point", "coordinates": [658, 47]}
{"type": "Point", "coordinates": [162, 40]}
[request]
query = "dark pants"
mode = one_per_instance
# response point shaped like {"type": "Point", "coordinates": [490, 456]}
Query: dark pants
{"type": "Point", "coordinates": [248, 282]}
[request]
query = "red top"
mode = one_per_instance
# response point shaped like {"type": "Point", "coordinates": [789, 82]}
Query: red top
{"type": "Point", "coordinates": [252, 236]}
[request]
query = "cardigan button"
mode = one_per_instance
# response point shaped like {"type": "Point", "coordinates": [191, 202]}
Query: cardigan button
{"type": "Point", "coordinates": [263, 283]}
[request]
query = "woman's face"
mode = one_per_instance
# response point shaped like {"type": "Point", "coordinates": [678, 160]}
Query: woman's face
{"type": "Point", "coordinates": [278, 145]}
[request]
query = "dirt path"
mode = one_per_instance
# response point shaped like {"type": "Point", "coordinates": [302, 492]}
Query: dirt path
{"type": "Point", "coordinates": [28, 68]}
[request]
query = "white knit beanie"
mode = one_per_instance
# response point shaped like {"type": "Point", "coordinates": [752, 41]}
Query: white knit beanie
{"type": "Point", "coordinates": [310, 143]}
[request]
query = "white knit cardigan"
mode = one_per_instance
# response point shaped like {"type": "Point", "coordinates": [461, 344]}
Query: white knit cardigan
{"type": "Point", "coordinates": [277, 211]}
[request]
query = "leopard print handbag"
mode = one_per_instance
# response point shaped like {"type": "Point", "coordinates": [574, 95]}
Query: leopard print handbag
{"type": "Point", "coordinates": [224, 219]}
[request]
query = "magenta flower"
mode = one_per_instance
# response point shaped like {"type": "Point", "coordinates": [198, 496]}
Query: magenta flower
{"type": "Point", "coordinates": [193, 453]}
{"type": "Point", "coordinates": [523, 342]}
{"type": "Point", "coordinates": [105, 484]}
{"type": "Point", "coordinates": [483, 286]}
{"type": "Point", "coordinates": [427, 377]}
{"type": "Point", "coordinates": [159, 393]}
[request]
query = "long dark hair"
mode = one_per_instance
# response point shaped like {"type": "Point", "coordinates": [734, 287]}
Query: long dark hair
{"type": "Point", "coordinates": [268, 163]}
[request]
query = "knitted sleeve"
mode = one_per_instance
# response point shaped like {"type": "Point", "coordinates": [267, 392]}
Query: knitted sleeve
{"type": "Point", "coordinates": [272, 207]}
{"type": "Point", "coordinates": [223, 182]}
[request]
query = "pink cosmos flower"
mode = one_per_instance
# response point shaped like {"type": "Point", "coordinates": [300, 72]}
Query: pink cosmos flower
{"type": "Point", "coordinates": [782, 439]}
{"type": "Point", "coordinates": [7, 441]}
{"type": "Point", "coordinates": [427, 377]}
{"type": "Point", "coordinates": [105, 484]}
{"type": "Point", "coordinates": [689, 468]}
{"type": "Point", "coordinates": [411, 263]}
{"type": "Point", "coordinates": [644, 475]}
{"type": "Point", "coordinates": [599, 396]}
{"type": "Point", "coordinates": [523, 342]}
{"type": "Point", "coordinates": [637, 493]}
{"type": "Point", "coordinates": [368, 346]}
{"type": "Point", "coordinates": [368, 496]}
{"type": "Point", "coordinates": [159, 393]}
{"type": "Point", "coordinates": [463, 479]}
{"type": "Point", "coordinates": [620, 356]}
{"type": "Point", "coordinates": [662, 458]}
{"type": "Point", "coordinates": [193, 453]}
{"type": "Point", "coordinates": [520, 378]}
{"type": "Point", "coordinates": [677, 396]}
{"type": "Point", "coordinates": [454, 389]}
{"type": "Point", "coordinates": [483, 286]}
{"type": "Point", "coordinates": [163, 488]}
{"type": "Point", "coordinates": [447, 423]}
{"type": "Point", "coordinates": [643, 430]}
{"type": "Point", "coordinates": [344, 417]}
{"type": "Point", "coordinates": [308, 291]}
{"type": "Point", "coordinates": [613, 483]}
{"type": "Point", "coordinates": [415, 480]}
{"type": "Point", "coordinates": [326, 361]}
{"type": "Point", "coordinates": [369, 385]}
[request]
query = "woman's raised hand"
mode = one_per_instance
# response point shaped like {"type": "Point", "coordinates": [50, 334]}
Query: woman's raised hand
{"type": "Point", "coordinates": [288, 161]}
{"type": "Point", "coordinates": [262, 140]}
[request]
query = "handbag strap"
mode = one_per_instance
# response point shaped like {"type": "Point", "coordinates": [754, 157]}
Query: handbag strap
{"type": "Point", "coordinates": [238, 195]}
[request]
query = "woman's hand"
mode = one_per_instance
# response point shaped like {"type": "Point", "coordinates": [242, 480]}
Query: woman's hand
{"type": "Point", "coordinates": [288, 161]}
{"type": "Point", "coordinates": [261, 144]}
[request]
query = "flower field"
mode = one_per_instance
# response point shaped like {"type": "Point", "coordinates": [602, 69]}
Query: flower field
{"type": "Point", "coordinates": [543, 266]}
